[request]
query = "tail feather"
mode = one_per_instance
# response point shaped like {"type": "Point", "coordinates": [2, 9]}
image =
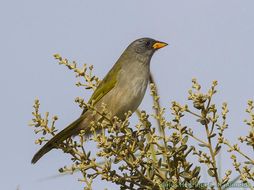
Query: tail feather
{"type": "Point", "coordinates": [72, 129]}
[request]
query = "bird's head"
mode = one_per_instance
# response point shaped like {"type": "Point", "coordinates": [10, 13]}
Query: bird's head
{"type": "Point", "coordinates": [146, 46]}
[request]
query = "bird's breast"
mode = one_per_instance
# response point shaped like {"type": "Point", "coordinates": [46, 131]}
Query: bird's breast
{"type": "Point", "coordinates": [130, 90]}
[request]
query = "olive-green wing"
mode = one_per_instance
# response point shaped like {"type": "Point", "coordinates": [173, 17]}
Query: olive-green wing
{"type": "Point", "coordinates": [105, 85]}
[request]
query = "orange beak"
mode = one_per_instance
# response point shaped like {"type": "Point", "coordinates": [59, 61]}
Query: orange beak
{"type": "Point", "coordinates": [158, 45]}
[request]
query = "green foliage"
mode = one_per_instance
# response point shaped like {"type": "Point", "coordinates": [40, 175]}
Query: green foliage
{"type": "Point", "coordinates": [152, 157]}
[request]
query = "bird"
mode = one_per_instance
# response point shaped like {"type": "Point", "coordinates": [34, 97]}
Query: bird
{"type": "Point", "coordinates": [121, 90]}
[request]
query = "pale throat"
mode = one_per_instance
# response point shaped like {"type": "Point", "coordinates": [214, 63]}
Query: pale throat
{"type": "Point", "coordinates": [137, 74]}
{"type": "Point", "coordinates": [143, 59]}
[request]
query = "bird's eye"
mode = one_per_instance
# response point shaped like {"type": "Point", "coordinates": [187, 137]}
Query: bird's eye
{"type": "Point", "coordinates": [148, 43]}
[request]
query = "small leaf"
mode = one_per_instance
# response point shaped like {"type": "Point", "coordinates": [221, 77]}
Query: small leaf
{"type": "Point", "coordinates": [225, 181]}
{"type": "Point", "coordinates": [185, 139]}
{"type": "Point", "coordinates": [188, 167]}
{"type": "Point", "coordinates": [196, 171]}
{"type": "Point", "coordinates": [248, 162]}
{"type": "Point", "coordinates": [203, 145]}
{"type": "Point", "coordinates": [211, 172]}
{"type": "Point", "coordinates": [159, 163]}
{"type": "Point", "coordinates": [88, 154]}
{"type": "Point", "coordinates": [183, 130]}
{"type": "Point", "coordinates": [217, 149]}
{"type": "Point", "coordinates": [186, 175]}
{"type": "Point", "coordinates": [61, 170]}
{"type": "Point", "coordinates": [182, 148]}
{"type": "Point", "coordinates": [212, 135]}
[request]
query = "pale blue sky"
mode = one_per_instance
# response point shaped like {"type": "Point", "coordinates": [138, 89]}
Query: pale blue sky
{"type": "Point", "coordinates": [209, 40]}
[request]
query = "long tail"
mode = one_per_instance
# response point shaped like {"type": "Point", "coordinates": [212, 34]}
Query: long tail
{"type": "Point", "coordinates": [58, 138]}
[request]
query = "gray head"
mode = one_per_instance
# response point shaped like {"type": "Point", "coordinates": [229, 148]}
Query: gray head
{"type": "Point", "coordinates": [145, 46]}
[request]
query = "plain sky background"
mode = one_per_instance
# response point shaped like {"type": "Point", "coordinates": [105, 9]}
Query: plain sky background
{"type": "Point", "coordinates": [209, 39]}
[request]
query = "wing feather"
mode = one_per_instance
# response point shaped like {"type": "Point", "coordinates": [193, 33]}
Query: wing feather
{"type": "Point", "coordinates": [106, 85]}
